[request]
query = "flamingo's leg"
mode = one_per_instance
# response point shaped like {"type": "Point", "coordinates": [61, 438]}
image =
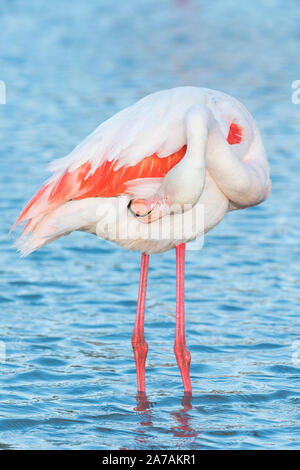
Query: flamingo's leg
{"type": "Point", "coordinates": [139, 344]}
{"type": "Point", "coordinates": [182, 353]}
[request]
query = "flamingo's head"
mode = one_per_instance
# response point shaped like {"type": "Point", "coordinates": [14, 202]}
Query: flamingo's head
{"type": "Point", "coordinates": [149, 210]}
{"type": "Point", "coordinates": [154, 208]}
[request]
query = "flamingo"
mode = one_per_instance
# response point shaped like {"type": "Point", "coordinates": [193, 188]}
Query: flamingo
{"type": "Point", "coordinates": [140, 179]}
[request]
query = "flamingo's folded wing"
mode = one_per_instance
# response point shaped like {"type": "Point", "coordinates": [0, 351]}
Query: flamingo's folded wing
{"type": "Point", "coordinates": [145, 140]}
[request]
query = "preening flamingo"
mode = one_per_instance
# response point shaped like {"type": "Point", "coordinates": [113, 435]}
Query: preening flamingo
{"type": "Point", "coordinates": [142, 178]}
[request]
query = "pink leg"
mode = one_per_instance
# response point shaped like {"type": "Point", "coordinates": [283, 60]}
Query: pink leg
{"type": "Point", "coordinates": [140, 347]}
{"type": "Point", "coordinates": [182, 353]}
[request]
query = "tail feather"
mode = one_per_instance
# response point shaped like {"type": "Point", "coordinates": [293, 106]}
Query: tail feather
{"type": "Point", "coordinates": [44, 229]}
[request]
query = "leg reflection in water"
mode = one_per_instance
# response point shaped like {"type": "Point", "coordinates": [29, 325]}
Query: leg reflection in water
{"type": "Point", "coordinates": [183, 426]}
{"type": "Point", "coordinates": [144, 407]}
{"type": "Point", "coordinates": [182, 417]}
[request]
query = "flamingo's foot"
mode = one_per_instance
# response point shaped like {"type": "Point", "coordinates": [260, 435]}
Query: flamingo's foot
{"type": "Point", "coordinates": [143, 404]}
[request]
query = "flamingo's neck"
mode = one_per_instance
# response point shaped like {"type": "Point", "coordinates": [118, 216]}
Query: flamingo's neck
{"type": "Point", "coordinates": [183, 185]}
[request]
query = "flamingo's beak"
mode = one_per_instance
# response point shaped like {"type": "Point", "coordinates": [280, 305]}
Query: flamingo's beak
{"type": "Point", "coordinates": [149, 210]}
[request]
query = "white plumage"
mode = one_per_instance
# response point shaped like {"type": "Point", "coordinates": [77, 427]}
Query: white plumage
{"type": "Point", "coordinates": [212, 178]}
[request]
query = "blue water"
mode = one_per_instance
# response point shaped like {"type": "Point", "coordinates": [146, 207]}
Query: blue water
{"type": "Point", "coordinates": [67, 311]}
